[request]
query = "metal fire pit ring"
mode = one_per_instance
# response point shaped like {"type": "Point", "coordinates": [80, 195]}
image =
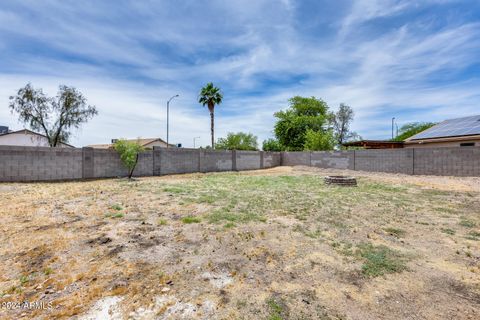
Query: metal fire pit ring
{"type": "Point", "coordinates": [341, 181]}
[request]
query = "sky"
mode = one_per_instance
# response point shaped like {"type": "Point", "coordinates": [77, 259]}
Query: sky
{"type": "Point", "coordinates": [412, 60]}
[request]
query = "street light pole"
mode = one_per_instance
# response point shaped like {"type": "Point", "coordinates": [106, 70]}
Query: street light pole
{"type": "Point", "coordinates": [393, 120]}
{"type": "Point", "coordinates": [194, 141]}
{"type": "Point", "coordinates": [168, 113]}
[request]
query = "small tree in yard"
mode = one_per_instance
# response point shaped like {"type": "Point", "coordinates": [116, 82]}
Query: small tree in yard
{"type": "Point", "coordinates": [54, 117]}
{"type": "Point", "coordinates": [128, 151]}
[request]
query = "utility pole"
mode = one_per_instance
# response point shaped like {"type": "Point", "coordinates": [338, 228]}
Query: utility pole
{"type": "Point", "coordinates": [194, 141]}
{"type": "Point", "coordinates": [168, 113]}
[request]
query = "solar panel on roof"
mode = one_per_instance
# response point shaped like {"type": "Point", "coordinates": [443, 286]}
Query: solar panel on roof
{"type": "Point", "coordinates": [451, 128]}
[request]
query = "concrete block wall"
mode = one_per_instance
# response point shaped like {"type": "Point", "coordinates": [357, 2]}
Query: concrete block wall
{"type": "Point", "coordinates": [144, 166]}
{"type": "Point", "coordinates": [384, 160]}
{"type": "Point", "coordinates": [295, 158]}
{"type": "Point", "coordinates": [107, 164]}
{"type": "Point", "coordinates": [456, 161]}
{"type": "Point", "coordinates": [172, 161]}
{"type": "Point", "coordinates": [271, 159]}
{"type": "Point", "coordinates": [46, 164]}
{"type": "Point", "coordinates": [216, 160]}
{"type": "Point", "coordinates": [39, 163]}
{"type": "Point", "coordinates": [249, 160]}
{"type": "Point", "coordinates": [333, 159]}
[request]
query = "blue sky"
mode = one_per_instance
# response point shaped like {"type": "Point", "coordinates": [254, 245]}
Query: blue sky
{"type": "Point", "coordinates": [413, 60]}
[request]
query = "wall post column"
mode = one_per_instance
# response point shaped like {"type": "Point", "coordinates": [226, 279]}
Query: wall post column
{"type": "Point", "coordinates": [234, 160]}
{"type": "Point", "coordinates": [88, 170]}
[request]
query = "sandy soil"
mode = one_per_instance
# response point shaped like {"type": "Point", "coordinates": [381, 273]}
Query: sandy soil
{"type": "Point", "coordinates": [266, 244]}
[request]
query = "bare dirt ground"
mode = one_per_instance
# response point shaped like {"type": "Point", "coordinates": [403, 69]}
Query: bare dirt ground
{"type": "Point", "coordinates": [268, 244]}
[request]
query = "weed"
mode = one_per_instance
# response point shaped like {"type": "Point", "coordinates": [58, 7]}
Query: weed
{"type": "Point", "coordinates": [313, 234]}
{"type": "Point", "coordinates": [448, 231]}
{"type": "Point", "coordinates": [229, 225]}
{"type": "Point", "coordinates": [116, 207]}
{"type": "Point", "coordinates": [276, 309]}
{"type": "Point", "coordinates": [161, 222]}
{"type": "Point", "coordinates": [398, 233]}
{"type": "Point", "coordinates": [114, 215]}
{"type": "Point", "coordinates": [24, 280]}
{"type": "Point", "coordinates": [380, 260]}
{"type": "Point", "coordinates": [473, 235]}
{"type": "Point", "coordinates": [47, 271]}
{"type": "Point", "coordinates": [191, 219]}
{"type": "Point", "coordinates": [467, 223]}
{"type": "Point", "coordinates": [422, 223]}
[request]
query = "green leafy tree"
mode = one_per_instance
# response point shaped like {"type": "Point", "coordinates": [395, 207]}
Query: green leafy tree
{"type": "Point", "coordinates": [410, 129]}
{"type": "Point", "coordinates": [210, 96]}
{"type": "Point", "coordinates": [318, 141]}
{"type": "Point", "coordinates": [128, 151]}
{"type": "Point", "coordinates": [272, 145]}
{"type": "Point", "coordinates": [238, 141]}
{"type": "Point", "coordinates": [54, 117]}
{"type": "Point", "coordinates": [303, 114]}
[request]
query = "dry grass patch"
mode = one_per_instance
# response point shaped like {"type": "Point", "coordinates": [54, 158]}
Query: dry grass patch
{"type": "Point", "coordinates": [272, 244]}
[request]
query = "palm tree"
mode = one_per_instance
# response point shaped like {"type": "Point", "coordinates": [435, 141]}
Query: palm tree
{"type": "Point", "coordinates": [210, 96]}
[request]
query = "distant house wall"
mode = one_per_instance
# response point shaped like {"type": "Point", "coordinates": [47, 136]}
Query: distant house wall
{"type": "Point", "coordinates": [442, 144]}
{"type": "Point", "coordinates": [26, 139]}
{"type": "Point", "coordinates": [158, 144]}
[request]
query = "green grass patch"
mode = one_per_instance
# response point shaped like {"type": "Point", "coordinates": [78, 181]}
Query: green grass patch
{"type": "Point", "coordinates": [467, 223]}
{"type": "Point", "coordinates": [180, 189]}
{"type": "Point", "coordinates": [114, 215]}
{"type": "Point", "coordinates": [232, 216]}
{"type": "Point", "coordinates": [191, 219]}
{"type": "Point", "coordinates": [380, 260]}
{"type": "Point", "coordinates": [24, 280]}
{"type": "Point", "coordinates": [229, 225]}
{"type": "Point", "coordinates": [276, 310]}
{"type": "Point", "coordinates": [116, 207]}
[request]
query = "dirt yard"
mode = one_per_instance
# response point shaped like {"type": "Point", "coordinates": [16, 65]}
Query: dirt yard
{"type": "Point", "coordinates": [270, 244]}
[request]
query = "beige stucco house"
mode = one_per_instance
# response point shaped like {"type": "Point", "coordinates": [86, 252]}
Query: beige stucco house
{"type": "Point", "coordinates": [27, 138]}
{"type": "Point", "coordinates": [459, 132]}
{"type": "Point", "coordinates": [146, 143]}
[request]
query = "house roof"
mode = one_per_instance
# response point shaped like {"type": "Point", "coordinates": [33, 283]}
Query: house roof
{"type": "Point", "coordinates": [26, 131]}
{"type": "Point", "coordinates": [142, 142]}
{"type": "Point", "coordinates": [375, 144]}
{"type": "Point", "coordinates": [459, 127]}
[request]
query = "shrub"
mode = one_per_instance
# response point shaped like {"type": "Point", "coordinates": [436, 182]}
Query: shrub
{"type": "Point", "coordinates": [128, 151]}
